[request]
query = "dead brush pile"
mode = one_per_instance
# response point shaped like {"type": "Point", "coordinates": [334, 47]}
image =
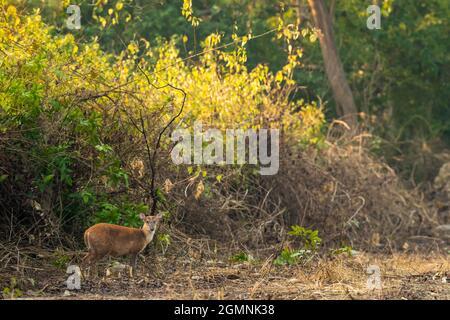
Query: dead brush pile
{"type": "Point", "coordinates": [349, 196]}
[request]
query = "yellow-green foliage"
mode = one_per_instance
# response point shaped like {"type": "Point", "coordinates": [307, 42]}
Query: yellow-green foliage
{"type": "Point", "coordinates": [221, 91]}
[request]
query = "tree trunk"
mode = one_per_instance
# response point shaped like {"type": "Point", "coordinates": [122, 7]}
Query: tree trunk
{"type": "Point", "coordinates": [333, 66]}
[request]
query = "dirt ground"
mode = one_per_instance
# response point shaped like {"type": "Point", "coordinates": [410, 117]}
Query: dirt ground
{"type": "Point", "coordinates": [402, 276]}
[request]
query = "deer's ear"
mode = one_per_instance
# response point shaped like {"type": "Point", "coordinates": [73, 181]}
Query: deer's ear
{"type": "Point", "coordinates": [159, 216]}
{"type": "Point", "coordinates": [142, 216]}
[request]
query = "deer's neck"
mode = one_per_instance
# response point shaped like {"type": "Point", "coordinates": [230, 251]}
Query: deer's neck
{"type": "Point", "coordinates": [148, 233]}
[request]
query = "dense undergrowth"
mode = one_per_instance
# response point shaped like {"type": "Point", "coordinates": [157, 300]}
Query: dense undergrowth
{"type": "Point", "coordinates": [75, 124]}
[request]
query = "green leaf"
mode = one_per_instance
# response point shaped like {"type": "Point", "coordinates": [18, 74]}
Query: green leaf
{"type": "Point", "coordinates": [103, 148]}
{"type": "Point", "coordinates": [48, 179]}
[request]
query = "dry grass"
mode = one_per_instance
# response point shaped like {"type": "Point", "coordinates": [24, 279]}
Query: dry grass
{"type": "Point", "coordinates": [403, 276]}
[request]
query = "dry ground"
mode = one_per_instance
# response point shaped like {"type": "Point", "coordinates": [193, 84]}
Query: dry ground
{"type": "Point", "coordinates": [403, 276]}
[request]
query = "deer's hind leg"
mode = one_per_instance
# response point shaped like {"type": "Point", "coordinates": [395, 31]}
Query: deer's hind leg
{"type": "Point", "coordinates": [87, 262]}
{"type": "Point", "coordinates": [90, 259]}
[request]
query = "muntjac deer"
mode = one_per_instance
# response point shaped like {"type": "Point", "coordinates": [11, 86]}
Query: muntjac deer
{"type": "Point", "coordinates": [104, 239]}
